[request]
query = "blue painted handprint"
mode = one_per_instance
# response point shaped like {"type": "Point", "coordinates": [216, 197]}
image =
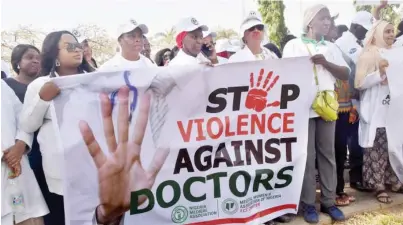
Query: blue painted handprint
{"type": "Point", "coordinates": [132, 88]}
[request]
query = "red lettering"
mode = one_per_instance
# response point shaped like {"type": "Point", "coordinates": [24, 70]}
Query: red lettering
{"type": "Point", "coordinates": [288, 120]}
{"type": "Point", "coordinates": [270, 123]}
{"type": "Point", "coordinates": [228, 133]}
{"type": "Point", "coordinates": [258, 123]}
{"type": "Point", "coordinates": [210, 129]}
{"type": "Point", "coordinates": [200, 136]}
{"type": "Point", "coordinates": [185, 134]}
{"type": "Point", "coordinates": [241, 124]}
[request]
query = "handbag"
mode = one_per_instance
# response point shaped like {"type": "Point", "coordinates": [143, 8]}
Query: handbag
{"type": "Point", "coordinates": [325, 103]}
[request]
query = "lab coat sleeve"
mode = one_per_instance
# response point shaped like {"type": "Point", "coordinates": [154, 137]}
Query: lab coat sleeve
{"type": "Point", "coordinates": [120, 221]}
{"type": "Point", "coordinates": [288, 50]}
{"type": "Point", "coordinates": [34, 108]}
{"type": "Point", "coordinates": [371, 80]}
{"type": "Point", "coordinates": [27, 138]}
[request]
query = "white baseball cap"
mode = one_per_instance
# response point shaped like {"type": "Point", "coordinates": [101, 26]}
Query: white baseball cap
{"type": "Point", "coordinates": [130, 25]}
{"type": "Point", "coordinates": [209, 33]}
{"type": "Point", "coordinates": [225, 45]}
{"type": "Point", "coordinates": [250, 21]}
{"type": "Point", "coordinates": [189, 24]}
{"type": "Point", "coordinates": [363, 18]}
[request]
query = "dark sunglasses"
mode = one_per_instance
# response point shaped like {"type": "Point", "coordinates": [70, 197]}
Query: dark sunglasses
{"type": "Point", "coordinates": [71, 47]}
{"type": "Point", "coordinates": [258, 27]}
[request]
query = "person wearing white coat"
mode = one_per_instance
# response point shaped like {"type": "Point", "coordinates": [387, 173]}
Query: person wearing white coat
{"type": "Point", "coordinates": [371, 80]}
{"type": "Point", "coordinates": [11, 136]}
{"type": "Point", "coordinates": [189, 40]}
{"type": "Point", "coordinates": [252, 31]}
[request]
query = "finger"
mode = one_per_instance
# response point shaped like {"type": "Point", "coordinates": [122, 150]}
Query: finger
{"type": "Point", "coordinates": [93, 147]}
{"type": "Point", "coordinates": [142, 119]}
{"type": "Point", "coordinates": [158, 161]}
{"type": "Point", "coordinates": [123, 116]}
{"type": "Point", "coordinates": [106, 108]}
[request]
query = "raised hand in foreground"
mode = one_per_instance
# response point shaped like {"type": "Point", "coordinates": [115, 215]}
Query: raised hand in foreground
{"type": "Point", "coordinates": [121, 172]}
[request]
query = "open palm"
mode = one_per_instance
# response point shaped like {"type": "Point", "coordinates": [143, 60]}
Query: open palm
{"type": "Point", "coordinates": [121, 172]}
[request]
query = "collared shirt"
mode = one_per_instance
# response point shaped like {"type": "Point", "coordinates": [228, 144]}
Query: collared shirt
{"type": "Point", "coordinates": [350, 46]}
{"type": "Point", "coordinates": [182, 59]}
{"type": "Point", "coordinates": [298, 47]}
{"type": "Point", "coordinates": [118, 62]}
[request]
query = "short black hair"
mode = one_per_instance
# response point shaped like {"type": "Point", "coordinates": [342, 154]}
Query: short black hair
{"type": "Point", "coordinates": [17, 54]}
{"type": "Point", "coordinates": [341, 29]}
{"type": "Point", "coordinates": [285, 40]}
{"type": "Point", "coordinates": [50, 51]}
{"type": "Point", "coordinates": [175, 51]}
{"type": "Point", "coordinates": [159, 57]}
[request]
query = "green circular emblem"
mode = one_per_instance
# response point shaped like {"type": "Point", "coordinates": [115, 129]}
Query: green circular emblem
{"type": "Point", "coordinates": [179, 214]}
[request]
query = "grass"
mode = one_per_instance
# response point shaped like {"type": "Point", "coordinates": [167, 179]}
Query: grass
{"type": "Point", "coordinates": [390, 217]}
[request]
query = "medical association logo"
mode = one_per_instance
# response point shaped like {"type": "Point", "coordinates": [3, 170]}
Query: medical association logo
{"type": "Point", "coordinates": [229, 206]}
{"type": "Point", "coordinates": [179, 214]}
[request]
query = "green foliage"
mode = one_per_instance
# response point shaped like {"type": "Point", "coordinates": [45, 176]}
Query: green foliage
{"type": "Point", "coordinates": [226, 33]}
{"type": "Point", "coordinates": [273, 16]}
{"type": "Point", "coordinates": [388, 13]}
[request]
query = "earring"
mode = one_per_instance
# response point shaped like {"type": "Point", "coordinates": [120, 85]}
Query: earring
{"type": "Point", "coordinates": [57, 63]}
{"type": "Point", "coordinates": [18, 66]}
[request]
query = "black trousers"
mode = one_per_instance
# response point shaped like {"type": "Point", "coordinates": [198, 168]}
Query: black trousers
{"type": "Point", "coordinates": [56, 208]}
{"type": "Point", "coordinates": [356, 155]}
{"type": "Point", "coordinates": [347, 135]}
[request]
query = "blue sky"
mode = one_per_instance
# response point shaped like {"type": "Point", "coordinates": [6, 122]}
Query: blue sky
{"type": "Point", "coordinates": [159, 15]}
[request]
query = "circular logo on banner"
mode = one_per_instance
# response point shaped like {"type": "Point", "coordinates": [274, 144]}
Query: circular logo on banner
{"type": "Point", "coordinates": [194, 21]}
{"type": "Point", "coordinates": [229, 206]}
{"type": "Point", "coordinates": [133, 22]}
{"type": "Point", "coordinates": [179, 214]}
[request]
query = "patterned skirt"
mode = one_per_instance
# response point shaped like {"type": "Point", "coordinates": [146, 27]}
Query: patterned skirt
{"type": "Point", "coordinates": [377, 170]}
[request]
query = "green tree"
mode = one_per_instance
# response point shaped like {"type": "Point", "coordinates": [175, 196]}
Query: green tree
{"type": "Point", "coordinates": [103, 46]}
{"type": "Point", "coordinates": [226, 33]}
{"type": "Point", "coordinates": [273, 16]}
{"type": "Point", "coordinates": [389, 13]}
{"type": "Point", "coordinates": [165, 39]}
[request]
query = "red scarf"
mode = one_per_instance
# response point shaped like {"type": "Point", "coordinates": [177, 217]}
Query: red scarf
{"type": "Point", "coordinates": [179, 39]}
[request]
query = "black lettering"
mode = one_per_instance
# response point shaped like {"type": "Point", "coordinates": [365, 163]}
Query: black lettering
{"type": "Point", "coordinates": [207, 159]}
{"type": "Point", "coordinates": [183, 161]}
{"type": "Point", "coordinates": [186, 189]}
{"type": "Point", "coordinates": [215, 99]}
{"type": "Point", "coordinates": [288, 149]}
{"type": "Point", "coordinates": [256, 151]}
{"type": "Point", "coordinates": [238, 158]}
{"type": "Point", "coordinates": [236, 103]}
{"type": "Point", "coordinates": [222, 156]}
{"type": "Point", "coordinates": [232, 183]}
{"type": "Point", "coordinates": [286, 96]}
{"type": "Point", "coordinates": [272, 150]}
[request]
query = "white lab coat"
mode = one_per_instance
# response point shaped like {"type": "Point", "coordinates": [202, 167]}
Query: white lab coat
{"type": "Point", "coordinates": [35, 205]}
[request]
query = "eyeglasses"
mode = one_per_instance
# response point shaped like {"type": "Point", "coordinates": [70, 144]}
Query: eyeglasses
{"type": "Point", "coordinates": [259, 27]}
{"type": "Point", "coordinates": [71, 47]}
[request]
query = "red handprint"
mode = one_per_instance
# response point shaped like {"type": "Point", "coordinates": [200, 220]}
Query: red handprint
{"type": "Point", "coordinates": [257, 96]}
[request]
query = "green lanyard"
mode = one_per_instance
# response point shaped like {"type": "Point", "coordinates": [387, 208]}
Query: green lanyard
{"type": "Point", "coordinates": [315, 43]}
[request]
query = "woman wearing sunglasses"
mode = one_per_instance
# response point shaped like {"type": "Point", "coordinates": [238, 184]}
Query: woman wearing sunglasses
{"type": "Point", "coordinates": [252, 29]}
{"type": "Point", "coordinates": [62, 55]}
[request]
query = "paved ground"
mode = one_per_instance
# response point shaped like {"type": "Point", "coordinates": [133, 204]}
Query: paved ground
{"type": "Point", "coordinates": [365, 203]}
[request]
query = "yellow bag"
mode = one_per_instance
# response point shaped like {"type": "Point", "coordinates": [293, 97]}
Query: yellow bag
{"type": "Point", "coordinates": [325, 103]}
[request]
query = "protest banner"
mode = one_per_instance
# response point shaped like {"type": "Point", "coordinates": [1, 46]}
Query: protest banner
{"type": "Point", "coordinates": [230, 140]}
{"type": "Point", "coordinates": [394, 123]}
